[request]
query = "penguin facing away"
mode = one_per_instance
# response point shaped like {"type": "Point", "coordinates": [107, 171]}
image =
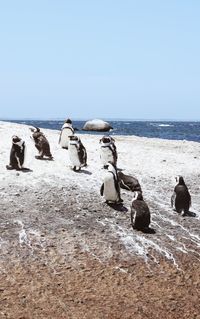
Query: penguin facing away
{"type": "Point", "coordinates": [77, 153]}
{"type": "Point", "coordinates": [140, 214]}
{"type": "Point", "coordinates": [108, 150]}
{"type": "Point", "coordinates": [67, 130]}
{"type": "Point", "coordinates": [17, 154]}
{"type": "Point", "coordinates": [110, 188]}
{"type": "Point", "coordinates": [41, 143]}
{"type": "Point", "coordinates": [181, 199]}
{"type": "Point", "coordinates": [129, 182]}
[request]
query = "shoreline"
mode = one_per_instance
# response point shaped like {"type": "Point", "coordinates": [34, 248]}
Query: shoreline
{"type": "Point", "coordinates": [148, 132]}
{"type": "Point", "coordinates": [98, 136]}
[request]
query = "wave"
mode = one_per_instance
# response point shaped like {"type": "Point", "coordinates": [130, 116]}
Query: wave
{"type": "Point", "coordinates": [161, 125]}
{"type": "Point", "coordinates": [165, 125]}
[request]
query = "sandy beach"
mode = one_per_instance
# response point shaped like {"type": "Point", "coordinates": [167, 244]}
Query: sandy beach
{"type": "Point", "coordinates": [67, 254]}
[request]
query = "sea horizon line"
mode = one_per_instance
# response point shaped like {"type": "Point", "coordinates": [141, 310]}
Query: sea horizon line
{"type": "Point", "coordinates": [104, 119]}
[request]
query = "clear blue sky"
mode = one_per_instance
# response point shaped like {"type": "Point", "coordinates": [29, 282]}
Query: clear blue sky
{"type": "Point", "coordinates": [136, 59]}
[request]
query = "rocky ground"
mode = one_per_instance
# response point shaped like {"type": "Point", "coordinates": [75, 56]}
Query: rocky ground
{"type": "Point", "coordinates": [75, 257]}
{"type": "Point", "coordinates": [65, 254]}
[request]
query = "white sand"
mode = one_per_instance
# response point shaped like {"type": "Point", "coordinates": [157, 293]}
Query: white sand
{"type": "Point", "coordinates": [143, 157]}
{"type": "Point", "coordinates": [154, 162]}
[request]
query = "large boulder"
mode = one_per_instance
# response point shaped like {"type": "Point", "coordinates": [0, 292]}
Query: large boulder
{"type": "Point", "coordinates": [97, 125]}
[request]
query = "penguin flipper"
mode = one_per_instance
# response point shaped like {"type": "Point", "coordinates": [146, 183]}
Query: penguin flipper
{"type": "Point", "coordinates": [60, 137]}
{"type": "Point", "coordinates": [190, 202]}
{"type": "Point", "coordinates": [117, 186]}
{"type": "Point", "coordinates": [173, 199]}
{"type": "Point", "coordinates": [133, 215]}
{"type": "Point", "coordinates": [125, 186]}
{"type": "Point", "coordinates": [102, 189]}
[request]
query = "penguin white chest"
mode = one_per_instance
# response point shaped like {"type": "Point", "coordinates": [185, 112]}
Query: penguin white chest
{"type": "Point", "coordinates": [106, 155]}
{"type": "Point", "coordinates": [73, 155]}
{"type": "Point", "coordinates": [110, 192]}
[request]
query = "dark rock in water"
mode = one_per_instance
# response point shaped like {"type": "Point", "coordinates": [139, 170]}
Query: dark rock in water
{"type": "Point", "coordinates": [97, 125]}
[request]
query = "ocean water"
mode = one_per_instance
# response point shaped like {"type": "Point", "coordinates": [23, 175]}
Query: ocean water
{"type": "Point", "coordinates": [160, 129]}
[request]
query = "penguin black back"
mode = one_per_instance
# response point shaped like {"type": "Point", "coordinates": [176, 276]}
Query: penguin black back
{"type": "Point", "coordinates": [140, 214]}
{"type": "Point", "coordinates": [129, 182]}
{"type": "Point", "coordinates": [181, 198]}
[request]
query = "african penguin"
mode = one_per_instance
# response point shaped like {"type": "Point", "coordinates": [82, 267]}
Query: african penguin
{"type": "Point", "coordinates": [129, 182]}
{"type": "Point", "coordinates": [110, 188]}
{"type": "Point", "coordinates": [77, 153]}
{"type": "Point", "coordinates": [17, 154]}
{"type": "Point", "coordinates": [181, 199]}
{"type": "Point", "coordinates": [67, 130]}
{"type": "Point", "coordinates": [140, 214]}
{"type": "Point", "coordinates": [108, 151]}
{"type": "Point", "coordinates": [41, 143]}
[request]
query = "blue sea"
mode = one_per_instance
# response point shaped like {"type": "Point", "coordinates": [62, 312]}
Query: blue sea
{"type": "Point", "coordinates": [172, 130]}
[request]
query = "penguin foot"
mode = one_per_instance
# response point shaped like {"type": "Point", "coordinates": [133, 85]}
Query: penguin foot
{"type": "Point", "coordinates": [38, 157]}
{"type": "Point", "coordinates": [9, 167]}
{"type": "Point", "coordinates": [189, 214]}
{"type": "Point", "coordinates": [145, 230]}
{"type": "Point", "coordinates": [120, 201]}
{"type": "Point", "coordinates": [133, 226]}
{"type": "Point", "coordinates": [76, 169]}
{"type": "Point", "coordinates": [183, 214]}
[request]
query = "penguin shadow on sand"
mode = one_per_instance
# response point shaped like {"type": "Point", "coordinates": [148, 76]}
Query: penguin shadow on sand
{"type": "Point", "coordinates": [186, 214]}
{"type": "Point", "coordinates": [23, 169]}
{"type": "Point", "coordinates": [80, 170]}
{"type": "Point", "coordinates": [26, 170]}
{"type": "Point", "coordinates": [181, 199]}
{"type": "Point", "coordinates": [148, 230]}
{"type": "Point", "coordinates": [118, 207]}
{"type": "Point", "coordinates": [84, 171]}
{"type": "Point", "coordinates": [190, 214]}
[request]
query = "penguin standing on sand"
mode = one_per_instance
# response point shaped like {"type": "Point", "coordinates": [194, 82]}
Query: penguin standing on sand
{"type": "Point", "coordinates": [140, 214]}
{"type": "Point", "coordinates": [41, 143]}
{"type": "Point", "coordinates": [17, 154]}
{"type": "Point", "coordinates": [108, 150]}
{"type": "Point", "coordinates": [181, 199]}
{"type": "Point", "coordinates": [110, 188]}
{"type": "Point", "coordinates": [66, 131]}
{"type": "Point", "coordinates": [77, 153]}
